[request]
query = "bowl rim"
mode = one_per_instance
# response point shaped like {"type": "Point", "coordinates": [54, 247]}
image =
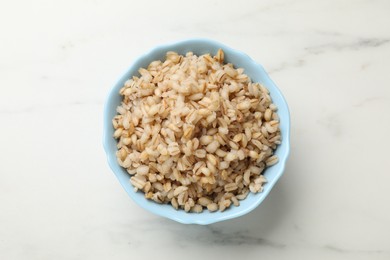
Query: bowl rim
{"type": "Point", "coordinates": [111, 158]}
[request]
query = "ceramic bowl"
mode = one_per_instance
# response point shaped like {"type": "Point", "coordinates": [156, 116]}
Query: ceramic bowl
{"type": "Point", "coordinates": [256, 73]}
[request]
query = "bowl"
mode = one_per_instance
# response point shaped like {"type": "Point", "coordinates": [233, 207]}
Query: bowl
{"type": "Point", "coordinates": [257, 74]}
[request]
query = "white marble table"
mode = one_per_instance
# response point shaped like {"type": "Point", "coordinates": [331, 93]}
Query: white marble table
{"type": "Point", "coordinates": [58, 198]}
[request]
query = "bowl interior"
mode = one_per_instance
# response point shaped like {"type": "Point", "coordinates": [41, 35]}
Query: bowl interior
{"type": "Point", "coordinates": [257, 74]}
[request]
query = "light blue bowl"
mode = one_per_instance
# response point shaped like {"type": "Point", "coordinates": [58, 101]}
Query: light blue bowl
{"type": "Point", "coordinates": [257, 74]}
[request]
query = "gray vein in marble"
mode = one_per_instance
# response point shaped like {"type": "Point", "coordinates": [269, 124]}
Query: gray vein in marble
{"type": "Point", "coordinates": [255, 12]}
{"type": "Point", "coordinates": [300, 62]}
{"type": "Point", "coordinates": [355, 45]}
{"type": "Point", "coordinates": [216, 235]}
{"type": "Point", "coordinates": [239, 238]}
{"type": "Point", "coordinates": [328, 33]}
{"type": "Point", "coordinates": [368, 101]}
{"type": "Point", "coordinates": [337, 249]}
{"type": "Point", "coordinates": [26, 109]}
{"type": "Point", "coordinates": [33, 108]}
{"type": "Point", "coordinates": [359, 44]}
{"type": "Point", "coordinates": [190, 235]}
{"type": "Point", "coordinates": [244, 16]}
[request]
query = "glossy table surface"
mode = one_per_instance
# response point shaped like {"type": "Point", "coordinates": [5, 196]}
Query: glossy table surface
{"type": "Point", "coordinates": [58, 197]}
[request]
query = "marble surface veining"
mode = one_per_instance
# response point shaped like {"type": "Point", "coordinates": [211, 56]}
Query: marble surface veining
{"type": "Point", "coordinates": [58, 60]}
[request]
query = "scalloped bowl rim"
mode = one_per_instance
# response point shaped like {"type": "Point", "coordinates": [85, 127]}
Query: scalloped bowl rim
{"type": "Point", "coordinates": [257, 71]}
